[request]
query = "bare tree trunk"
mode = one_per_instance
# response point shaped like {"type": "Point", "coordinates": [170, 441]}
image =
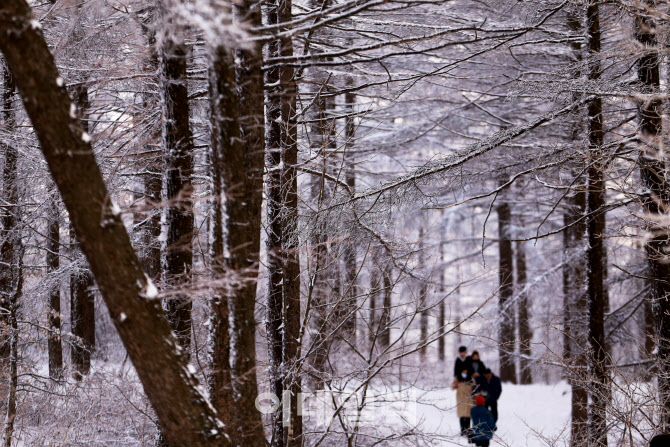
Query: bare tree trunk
{"type": "Point", "coordinates": [423, 295]}
{"type": "Point", "coordinates": [82, 298]}
{"type": "Point", "coordinates": [653, 172]}
{"type": "Point", "coordinates": [574, 272]}
{"type": "Point", "coordinates": [525, 332]}
{"type": "Point", "coordinates": [350, 294]}
{"type": "Point", "coordinates": [54, 342]}
{"type": "Point", "coordinates": [575, 324]}
{"type": "Point", "coordinates": [14, 352]}
{"type": "Point", "coordinates": [224, 131]}
{"type": "Point", "coordinates": [375, 289]}
{"type": "Point", "coordinates": [441, 321]}
{"type": "Point", "coordinates": [177, 186]}
{"type": "Point", "coordinates": [274, 319]}
{"type": "Point", "coordinates": [11, 258]}
{"type": "Point", "coordinates": [183, 412]}
{"type": "Point", "coordinates": [8, 221]}
{"type": "Point", "coordinates": [506, 338]}
{"type": "Point", "coordinates": [595, 229]}
{"type": "Point", "coordinates": [283, 294]}
{"type": "Point", "coordinates": [385, 318]}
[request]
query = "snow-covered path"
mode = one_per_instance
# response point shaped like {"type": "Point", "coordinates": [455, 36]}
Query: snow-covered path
{"type": "Point", "coordinates": [530, 416]}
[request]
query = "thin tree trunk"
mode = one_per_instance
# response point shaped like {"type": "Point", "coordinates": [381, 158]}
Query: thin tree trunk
{"type": "Point", "coordinates": [423, 295]}
{"type": "Point", "coordinates": [506, 338]}
{"type": "Point", "coordinates": [54, 341]}
{"type": "Point", "coordinates": [441, 321]}
{"type": "Point", "coordinates": [349, 249]}
{"type": "Point", "coordinates": [653, 171]}
{"type": "Point", "coordinates": [14, 351]}
{"type": "Point", "coordinates": [8, 220]}
{"type": "Point", "coordinates": [595, 229]}
{"type": "Point", "coordinates": [525, 332]}
{"type": "Point", "coordinates": [11, 254]}
{"type": "Point", "coordinates": [385, 318]}
{"type": "Point", "coordinates": [184, 414]}
{"type": "Point", "coordinates": [177, 183]}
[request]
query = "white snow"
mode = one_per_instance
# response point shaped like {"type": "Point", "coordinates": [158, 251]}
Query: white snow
{"type": "Point", "coordinates": [116, 210]}
{"type": "Point", "coordinates": [34, 24]}
{"type": "Point", "coordinates": [123, 317]}
{"type": "Point", "coordinates": [59, 81]}
{"type": "Point", "coordinates": [150, 291]}
{"type": "Point", "coordinates": [85, 137]}
{"type": "Point", "coordinates": [191, 369]}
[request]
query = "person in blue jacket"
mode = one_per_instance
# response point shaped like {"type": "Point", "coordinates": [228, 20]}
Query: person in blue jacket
{"type": "Point", "coordinates": [483, 424]}
{"type": "Point", "coordinates": [490, 387]}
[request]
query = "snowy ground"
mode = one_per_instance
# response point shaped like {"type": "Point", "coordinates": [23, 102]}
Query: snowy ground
{"type": "Point", "coordinates": [530, 415]}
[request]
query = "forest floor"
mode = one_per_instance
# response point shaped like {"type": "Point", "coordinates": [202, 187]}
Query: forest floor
{"type": "Point", "coordinates": [529, 415]}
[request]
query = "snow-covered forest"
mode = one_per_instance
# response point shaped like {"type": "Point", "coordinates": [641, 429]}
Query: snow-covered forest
{"type": "Point", "coordinates": [274, 223]}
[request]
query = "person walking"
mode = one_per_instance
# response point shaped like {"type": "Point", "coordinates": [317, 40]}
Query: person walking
{"type": "Point", "coordinates": [463, 384]}
{"type": "Point", "coordinates": [483, 424]}
{"type": "Point", "coordinates": [476, 365]}
{"type": "Point", "coordinates": [490, 387]}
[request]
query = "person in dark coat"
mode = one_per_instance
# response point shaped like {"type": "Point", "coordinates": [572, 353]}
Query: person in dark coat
{"type": "Point", "coordinates": [490, 387]}
{"type": "Point", "coordinates": [463, 362]}
{"type": "Point", "coordinates": [463, 384]}
{"type": "Point", "coordinates": [660, 441]}
{"type": "Point", "coordinates": [483, 424]}
{"type": "Point", "coordinates": [476, 365]}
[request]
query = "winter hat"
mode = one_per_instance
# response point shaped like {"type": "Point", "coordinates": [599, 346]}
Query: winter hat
{"type": "Point", "coordinates": [479, 400]}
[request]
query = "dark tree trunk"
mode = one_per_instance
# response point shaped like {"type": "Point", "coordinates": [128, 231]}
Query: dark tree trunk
{"type": "Point", "coordinates": [506, 338]}
{"type": "Point", "coordinates": [184, 414]}
{"type": "Point", "coordinates": [574, 272]}
{"type": "Point", "coordinates": [282, 243]}
{"type": "Point", "coordinates": [177, 186]}
{"type": "Point", "coordinates": [8, 220]}
{"type": "Point", "coordinates": [653, 171]}
{"type": "Point", "coordinates": [442, 318]}
{"type": "Point", "coordinates": [595, 230]}
{"type": "Point", "coordinates": [375, 289]}
{"type": "Point", "coordinates": [525, 331]}
{"type": "Point", "coordinates": [54, 341]}
{"type": "Point", "coordinates": [225, 131]}
{"type": "Point", "coordinates": [82, 298]}
{"type": "Point", "coordinates": [385, 318]}
{"type": "Point", "coordinates": [350, 295]}
{"type": "Point", "coordinates": [11, 259]}
{"type": "Point", "coordinates": [423, 305]}
{"type": "Point", "coordinates": [575, 321]}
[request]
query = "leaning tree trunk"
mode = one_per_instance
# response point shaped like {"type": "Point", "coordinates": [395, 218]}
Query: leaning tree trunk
{"type": "Point", "coordinates": [653, 172]}
{"type": "Point", "coordinates": [595, 230]}
{"type": "Point", "coordinates": [506, 337]}
{"type": "Point", "coordinates": [183, 413]}
{"type": "Point", "coordinates": [177, 183]}
{"type": "Point", "coordinates": [523, 304]}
